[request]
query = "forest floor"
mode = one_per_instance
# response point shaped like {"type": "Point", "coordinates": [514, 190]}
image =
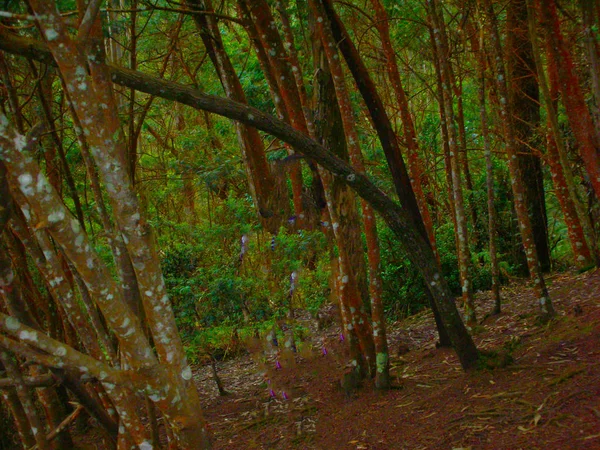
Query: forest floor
{"type": "Point", "coordinates": [547, 398]}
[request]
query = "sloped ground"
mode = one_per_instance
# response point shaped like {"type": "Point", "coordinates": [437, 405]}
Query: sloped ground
{"type": "Point", "coordinates": [548, 398]}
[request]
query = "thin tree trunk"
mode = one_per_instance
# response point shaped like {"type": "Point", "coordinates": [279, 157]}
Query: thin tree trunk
{"type": "Point", "coordinates": [544, 302]}
{"type": "Point", "coordinates": [415, 165]}
{"type": "Point", "coordinates": [464, 254]}
{"type": "Point", "coordinates": [489, 171]}
{"type": "Point", "coordinates": [572, 94]}
{"type": "Point", "coordinates": [382, 377]}
{"type": "Point", "coordinates": [386, 135]}
{"type": "Point", "coordinates": [578, 226]}
{"type": "Point", "coordinates": [260, 179]}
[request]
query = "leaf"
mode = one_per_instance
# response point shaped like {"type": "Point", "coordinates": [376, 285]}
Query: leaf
{"type": "Point", "coordinates": [536, 419]}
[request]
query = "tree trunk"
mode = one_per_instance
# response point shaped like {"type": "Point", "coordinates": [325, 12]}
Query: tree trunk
{"type": "Point", "coordinates": [489, 171]}
{"type": "Point", "coordinates": [464, 254]}
{"type": "Point", "coordinates": [341, 202]}
{"type": "Point", "coordinates": [572, 95]}
{"type": "Point", "coordinates": [579, 228]}
{"type": "Point", "coordinates": [544, 302]}
{"type": "Point", "coordinates": [415, 164]}
{"type": "Point", "coordinates": [524, 98]}
{"type": "Point", "coordinates": [386, 135]}
{"type": "Point", "coordinates": [261, 181]}
{"type": "Point", "coordinates": [382, 377]}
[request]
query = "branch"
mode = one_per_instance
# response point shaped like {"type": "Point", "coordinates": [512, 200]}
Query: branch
{"type": "Point", "coordinates": [35, 381]}
{"type": "Point", "coordinates": [88, 20]}
{"type": "Point", "coordinates": [395, 216]}
{"type": "Point", "coordinates": [62, 355]}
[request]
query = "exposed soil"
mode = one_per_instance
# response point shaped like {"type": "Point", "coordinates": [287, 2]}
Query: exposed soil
{"type": "Point", "coordinates": [547, 398]}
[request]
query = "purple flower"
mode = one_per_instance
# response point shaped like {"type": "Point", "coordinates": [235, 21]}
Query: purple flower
{"type": "Point", "coordinates": [277, 364]}
{"type": "Point", "coordinates": [284, 395]}
{"type": "Point", "coordinates": [324, 350]}
{"type": "Point", "coordinates": [342, 338]}
{"type": "Point", "coordinates": [272, 393]}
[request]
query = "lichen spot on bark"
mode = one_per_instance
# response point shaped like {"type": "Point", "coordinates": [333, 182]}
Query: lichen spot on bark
{"type": "Point", "coordinates": [25, 335]}
{"type": "Point", "coordinates": [56, 216]}
{"type": "Point", "coordinates": [351, 177]}
{"type": "Point", "coordinates": [20, 142]}
{"type": "Point", "coordinates": [146, 446]}
{"type": "Point", "coordinates": [11, 323]}
{"type": "Point", "coordinates": [25, 181]}
{"type": "Point", "coordinates": [51, 34]}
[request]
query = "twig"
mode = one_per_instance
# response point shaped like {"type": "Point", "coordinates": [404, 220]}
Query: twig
{"type": "Point", "coordinates": [63, 425]}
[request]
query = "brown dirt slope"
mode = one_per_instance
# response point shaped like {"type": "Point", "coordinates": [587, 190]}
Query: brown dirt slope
{"type": "Point", "coordinates": [548, 397]}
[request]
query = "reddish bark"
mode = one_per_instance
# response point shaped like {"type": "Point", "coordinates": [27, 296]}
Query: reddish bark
{"type": "Point", "coordinates": [382, 380]}
{"type": "Point", "coordinates": [415, 165]}
{"type": "Point", "coordinates": [572, 94]}
{"type": "Point", "coordinates": [261, 180]}
{"type": "Point", "coordinates": [464, 254]}
{"type": "Point", "coordinates": [535, 272]}
{"type": "Point", "coordinates": [557, 156]}
{"type": "Point", "coordinates": [259, 13]}
{"type": "Point", "coordinates": [280, 107]}
{"type": "Point", "coordinates": [386, 135]}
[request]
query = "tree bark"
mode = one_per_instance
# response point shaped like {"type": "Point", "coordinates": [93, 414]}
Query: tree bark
{"type": "Point", "coordinates": [524, 98]}
{"type": "Point", "coordinates": [572, 94]}
{"type": "Point", "coordinates": [401, 223]}
{"type": "Point", "coordinates": [463, 251]}
{"type": "Point", "coordinates": [382, 377]}
{"type": "Point", "coordinates": [261, 181]}
{"type": "Point", "coordinates": [543, 298]}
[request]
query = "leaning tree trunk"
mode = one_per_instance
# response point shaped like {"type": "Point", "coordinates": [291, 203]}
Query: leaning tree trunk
{"type": "Point", "coordinates": [464, 254]}
{"type": "Point", "coordinates": [578, 226]}
{"type": "Point", "coordinates": [535, 272]}
{"type": "Point", "coordinates": [261, 181]}
{"type": "Point", "coordinates": [415, 164]}
{"type": "Point", "coordinates": [382, 376]}
{"type": "Point", "coordinates": [341, 202]}
{"type": "Point", "coordinates": [386, 135]}
{"type": "Point", "coordinates": [572, 94]}
{"type": "Point", "coordinates": [102, 129]}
